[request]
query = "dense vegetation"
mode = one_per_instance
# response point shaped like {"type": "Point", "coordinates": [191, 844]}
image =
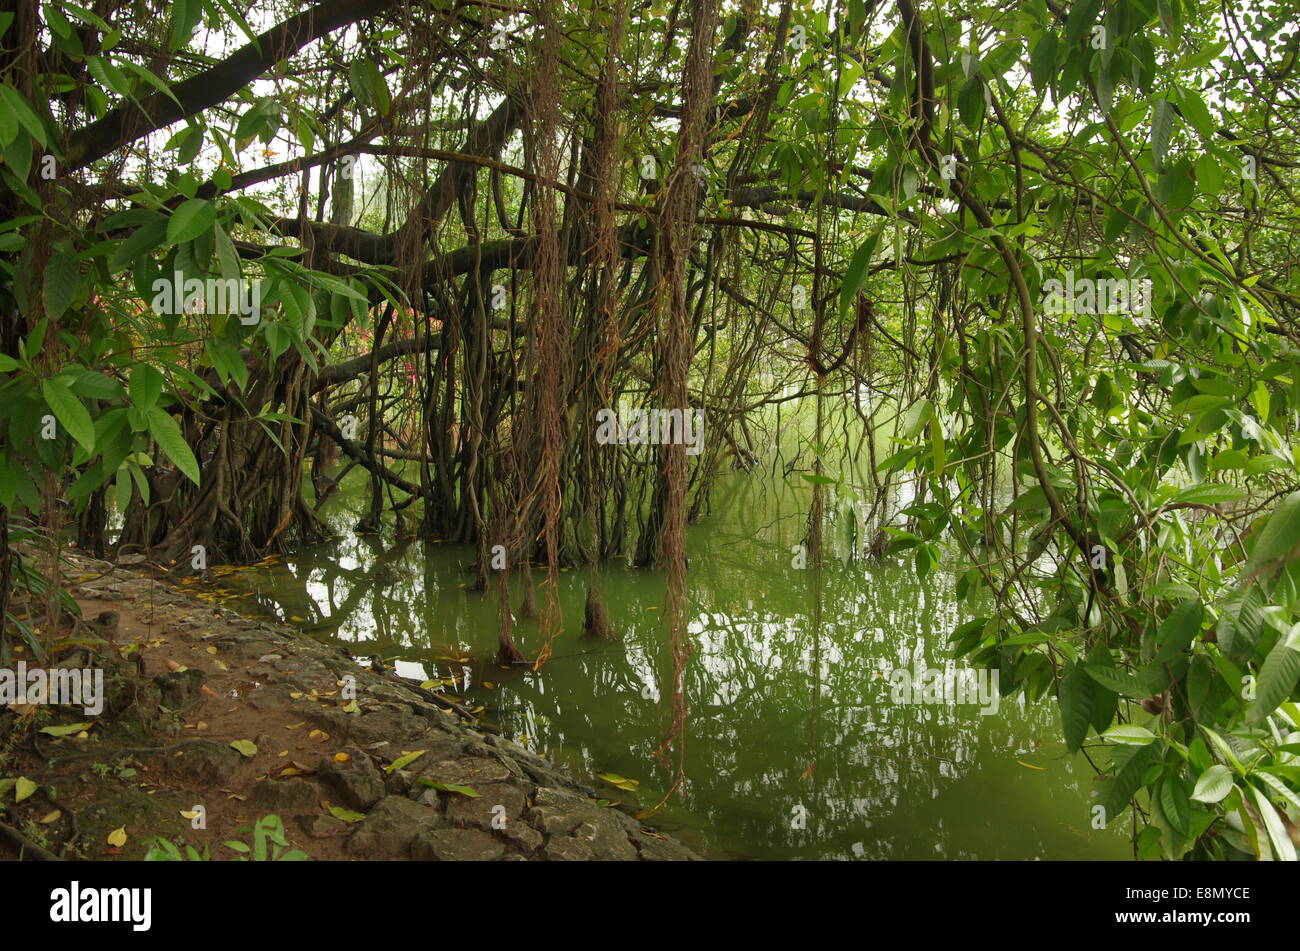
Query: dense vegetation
{"type": "Point", "coordinates": [475, 225]}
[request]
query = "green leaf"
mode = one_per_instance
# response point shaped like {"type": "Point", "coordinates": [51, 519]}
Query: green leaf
{"type": "Point", "coordinates": [8, 125]}
{"type": "Point", "coordinates": [451, 787]}
{"type": "Point", "coordinates": [406, 759]}
{"type": "Point", "coordinates": [19, 110]}
{"type": "Point", "coordinates": [190, 220]}
{"type": "Point", "coordinates": [61, 276]}
{"type": "Point", "coordinates": [1277, 677]}
{"type": "Point", "coordinates": [167, 434]}
{"type": "Point", "coordinates": [68, 730]}
{"type": "Point", "coordinates": [1082, 16]}
{"type": "Point", "coordinates": [1279, 536]}
{"type": "Point", "coordinates": [69, 411]}
{"type": "Point", "coordinates": [1162, 127]}
{"type": "Point", "coordinates": [244, 747]}
{"type": "Point", "coordinates": [1117, 681]}
{"type": "Point", "coordinates": [185, 17]}
{"type": "Point", "coordinates": [143, 240]}
{"type": "Point", "coordinates": [368, 85]}
{"type": "Point", "coordinates": [856, 273]}
{"type": "Point", "coordinates": [145, 386]}
{"type": "Point", "coordinates": [1194, 110]}
{"type": "Point", "coordinates": [1118, 791]}
{"type": "Point", "coordinates": [1277, 834]}
{"type": "Point", "coordinates": [1178, 630]}
{"type": "Point", "coordinates": [1077, 695]}
{"type": "Point", "coordinates": [1042, 61]}
{"type": "Point", "coordinates": [24, 788]}
{"type": "Point", "coordinates": [1175, 805]}
{"type": "Point", "coordinates": [347, 815]}
{"type": "Point", "coordinates": [1209, 493]}
{"type": "Point", "coordinates": [622, 782]}
{"type": "Point", "coordinates": [1213, 785]}
{"type": "Point", "coordinates": [1129, 734]}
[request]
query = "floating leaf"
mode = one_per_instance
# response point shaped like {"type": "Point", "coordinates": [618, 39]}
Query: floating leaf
{"type": "Point", "coordinates": [622, 782]}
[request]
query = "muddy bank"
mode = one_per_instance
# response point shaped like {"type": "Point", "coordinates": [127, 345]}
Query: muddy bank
{"type": "Point", "coordinates": [215, 720]}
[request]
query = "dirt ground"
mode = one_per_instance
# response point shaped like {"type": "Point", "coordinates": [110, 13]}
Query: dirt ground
{"type": "Point", "coordinates": [213, 721]}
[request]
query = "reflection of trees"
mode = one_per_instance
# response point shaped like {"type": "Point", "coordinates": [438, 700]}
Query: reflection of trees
{"type": "Point", "coordinates": [890, 780]}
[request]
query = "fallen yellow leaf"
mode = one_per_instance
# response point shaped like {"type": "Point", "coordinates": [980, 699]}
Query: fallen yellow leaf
{"type": "Point", "coordinates": [117, 838]}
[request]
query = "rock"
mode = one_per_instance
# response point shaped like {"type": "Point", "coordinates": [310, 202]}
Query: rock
{"type": "Point", "coordinates": [357, 783]}
{"type": "Point", "coordinates": [273, 697]}
{"type": "Point", "coordinates": [464, 811]}
{"type": "Point", "coordinates": [654, 849]}
{"type": "Point", "coordinates": [438, 747]}
{"type": "Point", "coordinates": [566, 849]}
{"type": "Point", "coordinates": [202, 761]}
{"type": "Point", "coordinates": [286, 795]}
{"type": "Point", "coordinates": [557, 812]}
{"type": "Point", "coordinates": [324, 827]}
{"type": "Point", "coordinates": [456, 845]}
{"type": "Point", "coordinates": [390, 828]}
{"type": "Point", "coordinates": [522, 836]}
{"type": "Point", "coordinates": [180, 687]}
{"type": "Point", "coordinates": [606, 840]}
{"type": "Point", "coordinates": [472, 771]}
{"type": "Point", "coordinates": [386, 724]}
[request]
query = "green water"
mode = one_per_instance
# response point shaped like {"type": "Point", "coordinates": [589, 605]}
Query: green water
{"type": "Point", "coordinates": [771, 692]}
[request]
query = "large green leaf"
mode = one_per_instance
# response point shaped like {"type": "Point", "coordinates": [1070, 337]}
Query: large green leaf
{"type": "Point", "coordinates": [190, 220]}
{"type": "Point", "coordinates": [1117, 681]}
{"type": "Point", "coordinates": [1078, 695]}
{"type": "Point", "coordinates": [1277, 676]}
{"type": "Point", "coordinates": [856, 272]}
{"type": "Point", "coordinates": [167, 433]}
{"type": "Point", "coordinates": [1279, 536]}
{"type": "Point", "coordinates": [185, 17]}
{"type": "Point", "coordinates": [146, 386]}
{"type": "Point", "coordinates": [1178, 630]}
{"type": "Point", "coordinates": [1118, 791]}
{"type": "Point", "coordinates": [69, 411]}
{"type": "Point", "coordinates": [1214, 784]}
{"type": "Point", "coordinates": [1162, 128]}
{"type": "Point", "coordinates": [61, 277]}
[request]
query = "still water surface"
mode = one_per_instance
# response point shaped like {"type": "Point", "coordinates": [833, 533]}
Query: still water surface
{"type": "Point", "coordinates": [795, 749]}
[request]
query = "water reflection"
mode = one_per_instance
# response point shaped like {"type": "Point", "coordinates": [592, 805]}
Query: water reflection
{"type": "Point", "coordinates": [794, 746]}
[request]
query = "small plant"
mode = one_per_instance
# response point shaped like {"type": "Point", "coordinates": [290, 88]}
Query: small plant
{"type": "Point", "coordinates": [268, 829]}
{"type": "Point", "coordinates": [163, 850]}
